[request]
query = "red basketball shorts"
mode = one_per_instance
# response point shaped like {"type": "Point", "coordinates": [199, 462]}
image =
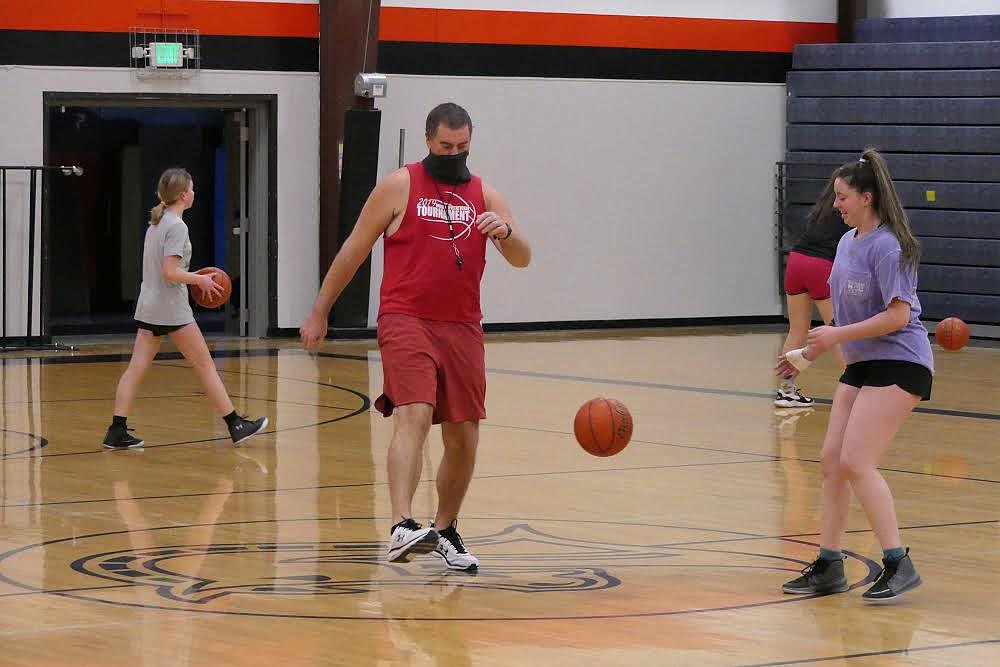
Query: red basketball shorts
{"type": "Point", "coordinates": [439, 363]}
{"type": "Point", "coordinates": [808, 274]}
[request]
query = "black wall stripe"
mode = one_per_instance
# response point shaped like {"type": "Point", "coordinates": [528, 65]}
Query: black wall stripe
{"type": "Point", "coordinates": [111, 49]}
{"type": "Point", "coordinates": [581, 62]}
{"type": "Point", "coordinates": [301, 54]}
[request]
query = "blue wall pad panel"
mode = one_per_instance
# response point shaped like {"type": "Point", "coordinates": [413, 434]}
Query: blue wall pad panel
{"type": "Point", "coordinates": [973, 308]}
{"type": "Point", "coordinates": [926, 223]}
{"type": "Point", "coordinates": [895, 110]}
{"type": "Point", "coordinates": [921, 55]}
{"type": "Point", "coordinates": [891, 83]}
{"type": "Point", "coordinates": [956, 224]}
{"type": "Point", "coordinates": [894, 138]}
{"type": "Point", "coordinates": [913, 194]}
{"type": "Point", "coordinates": [928, 29]}
{"type": "Point", "coordinates": [904, 166]}
{"type": "Point", "coordinates": [962, 279]}
{"type": "Point", "coordinates": [961, 252]}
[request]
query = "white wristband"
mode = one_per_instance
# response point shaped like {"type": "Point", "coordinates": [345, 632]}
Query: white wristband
{"type": "Point", "coordinates": [797, 359]}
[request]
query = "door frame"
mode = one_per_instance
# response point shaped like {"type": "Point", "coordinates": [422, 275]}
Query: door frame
{"type": "Point", "coordinates": [263, 166]}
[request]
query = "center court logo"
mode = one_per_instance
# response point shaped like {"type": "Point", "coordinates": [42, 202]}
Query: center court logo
{"type": "Point", "coordinates": [436, 212]}
{"type": "Point", "coordinates": [529, 570]}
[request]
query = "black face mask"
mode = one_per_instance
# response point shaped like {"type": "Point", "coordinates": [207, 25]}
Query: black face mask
{"type": "Point", "coordinates": [448, 168]}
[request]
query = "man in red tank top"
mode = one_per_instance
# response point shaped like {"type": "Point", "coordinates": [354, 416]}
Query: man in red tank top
{"type": "Point", "coordinates": [436, 218]}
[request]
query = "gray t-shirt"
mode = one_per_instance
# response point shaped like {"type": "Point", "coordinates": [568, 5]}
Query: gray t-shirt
{"type": "Point", "coordinates": [161, 301]}
{"type": "Point", "coordinates": [865, 278]}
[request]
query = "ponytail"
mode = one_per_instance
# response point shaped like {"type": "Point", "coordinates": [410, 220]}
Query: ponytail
{"type": "Point", "coordinates": [890, 209]}
{"type": "Point", "coordinates": [823, 208]}
{"type": "Point", "coordinates": [871, 174]}
{"type": "Point", "coordinates": [156, 213]}
{"type": "Point", "coordinates": [173, 184]}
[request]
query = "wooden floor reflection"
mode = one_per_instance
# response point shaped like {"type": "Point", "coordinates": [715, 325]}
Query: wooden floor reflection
{"type": "Point", "coordinates": [192, 552]}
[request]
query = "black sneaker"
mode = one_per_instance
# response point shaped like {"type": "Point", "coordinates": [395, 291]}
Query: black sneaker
{"type": "Point", "coordinates": [242, 428]}
{"type": "Point", "coordinates": [409, 538]}
{"type": "Point", "coordinates": [118, 438]}
{"type": "Point", "coordinates": [452, 551]}
{"type": "Point", "coordinates": [898, 576]}
{"type": "Point", "coordinates": [822, 577]}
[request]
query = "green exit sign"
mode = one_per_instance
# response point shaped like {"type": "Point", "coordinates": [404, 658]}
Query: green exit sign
{"type": "Point", "coordinates": [166, 54]}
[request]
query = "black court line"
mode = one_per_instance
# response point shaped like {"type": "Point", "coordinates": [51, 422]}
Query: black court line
{"type": "Point", "coordinates": [741, 537]}
{"type": "Point", "coordinates": [168, 356]}
{"type": "Point", "coordinates": [719, 392]}
{"type": "Point", "coordinates": [899, 651]}
{"type": "Point", "coordinates": [500, 371]}
{"type": "Point", "coordinates": [743, 453]}
{"type": "Point", "coordinates": [365, 405]}
{"type": "Point", "coordinates": [83, 589]}
{"type": "Point", "coordinates": [322, 487]}
{"type": "Point", "coordinates": [762, 458]}
{"type": "Point", "coordinates": [793, 538]}
{"type": "Point", "coordinates": [768, 603]}
{"type": "Point", "coordinates": [275, 351]}
{"type": "Point", "coordinates": [101, 398]}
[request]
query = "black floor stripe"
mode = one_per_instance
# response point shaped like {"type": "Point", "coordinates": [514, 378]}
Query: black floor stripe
{"type": "Point", "coordinates": [899, 651]}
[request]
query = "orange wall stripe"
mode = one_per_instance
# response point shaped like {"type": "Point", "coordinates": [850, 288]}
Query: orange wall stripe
{"type": "Point", "coordinates": [269, 19]}
{"type": "Point", "coordinates": [405, 24]}
{"type": "Point", "coordinates": [277, 19]}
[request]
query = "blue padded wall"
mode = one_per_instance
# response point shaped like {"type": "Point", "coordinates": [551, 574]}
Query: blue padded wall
{"type": "Point", "coordinates": [920, 55]}
{"type": "Point", "coordinates": [928, 29]}
{"type": "Point", "coordinates": [895, 83]}
{"type": "Point", "coordinates": [925, 92]}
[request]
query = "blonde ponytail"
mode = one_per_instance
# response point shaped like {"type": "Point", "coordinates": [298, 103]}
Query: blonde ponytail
{"type": "Point", "coordinates": [156, 213]}
{"type": "Point", "coordinates": [173, 184]}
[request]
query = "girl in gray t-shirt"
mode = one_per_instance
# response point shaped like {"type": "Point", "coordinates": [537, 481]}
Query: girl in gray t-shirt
{"type": "Point", "coordinates": [873, 285]}
{"type": "Point", "coordinates": [163, 309]}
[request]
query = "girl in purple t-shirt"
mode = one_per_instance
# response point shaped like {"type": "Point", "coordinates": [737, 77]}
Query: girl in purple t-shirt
{"type": "Point", "coordinates": [873, 286]}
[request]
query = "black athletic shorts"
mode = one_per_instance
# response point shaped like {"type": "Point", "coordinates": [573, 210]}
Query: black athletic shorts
{"type": "Point", "coordinates": [159, 329]}
{"type": "Point", "coordinates": [907, 375]}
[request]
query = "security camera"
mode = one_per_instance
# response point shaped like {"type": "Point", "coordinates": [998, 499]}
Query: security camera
{"type": "Point", "coordinates": [370, 84]}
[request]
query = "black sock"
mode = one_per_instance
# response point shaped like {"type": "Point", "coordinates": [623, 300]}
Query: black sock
{"type": "Point", "coordinates": [118, 420]}
{"type": "Point", "coordinates": [232, 418]}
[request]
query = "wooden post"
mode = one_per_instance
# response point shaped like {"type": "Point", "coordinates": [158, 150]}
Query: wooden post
{"type": "Point", "coordinates": [348, 45]}
{"type": "Point", "coordinates": [849, 11]}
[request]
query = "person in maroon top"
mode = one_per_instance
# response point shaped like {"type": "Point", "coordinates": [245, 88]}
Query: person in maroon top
{"type": "Point", "coordinates": [436, 219]}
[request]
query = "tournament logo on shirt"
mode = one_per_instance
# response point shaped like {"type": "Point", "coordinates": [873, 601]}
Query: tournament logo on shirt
{"type": "Point", "coordinates": [459, 212]}
{"type": "Point", "coordinates": [856, 287]}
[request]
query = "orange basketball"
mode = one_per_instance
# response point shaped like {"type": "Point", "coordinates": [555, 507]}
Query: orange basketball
{"type": "Point", "coordinates": [951, 333]}
{"type": "Point", "coordinates": [221, 278]}
{"type": "Point", "coordinates": [603, 426]}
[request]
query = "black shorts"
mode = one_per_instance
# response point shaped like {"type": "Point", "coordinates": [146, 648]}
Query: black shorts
{"type": "Point", "coordinates": [907, 375]}
{"type": "Point", "coordinates": [159, 329]}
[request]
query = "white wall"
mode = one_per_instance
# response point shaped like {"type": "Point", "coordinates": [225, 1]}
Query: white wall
{"type": "Point", "coordinates": [905, 8]}
{"type": "Point", "coordinates": [817, 11]}
{"type": "Point", "coordinates": [640, 199]}
{"type": "Point", "coordinates": [22, 120]}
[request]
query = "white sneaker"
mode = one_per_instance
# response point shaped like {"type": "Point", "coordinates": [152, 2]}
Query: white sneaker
{"type": "Point", "coordinates": [410, 538]}
{"type": "Point", "coordinates": [789, 397]}
{"type": "Point", "coordinates": [452, 551]}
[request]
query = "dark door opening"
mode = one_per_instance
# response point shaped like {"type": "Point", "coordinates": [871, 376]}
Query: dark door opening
{"type": "Point", "coordinates": [97, 222]}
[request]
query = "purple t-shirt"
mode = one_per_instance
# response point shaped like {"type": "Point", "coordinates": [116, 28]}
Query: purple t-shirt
{"type": "Point", "coordinates": [865, 278]}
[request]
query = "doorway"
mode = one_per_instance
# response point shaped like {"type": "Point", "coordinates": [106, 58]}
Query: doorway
{"type": "Point", "coordinates": [94, 226]}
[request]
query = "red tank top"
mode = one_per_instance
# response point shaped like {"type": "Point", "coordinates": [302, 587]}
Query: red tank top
{"type": "Point", "coordinates": [421, 276]}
